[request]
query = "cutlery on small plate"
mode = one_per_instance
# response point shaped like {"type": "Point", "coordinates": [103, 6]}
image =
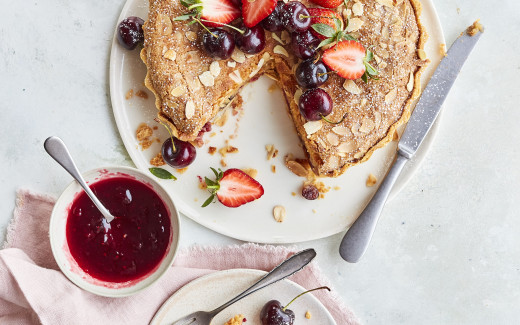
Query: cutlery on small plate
{"type": "Point", "coordinates": [287, 268]}
{"type": "Point", "coordinates": [358, 236]}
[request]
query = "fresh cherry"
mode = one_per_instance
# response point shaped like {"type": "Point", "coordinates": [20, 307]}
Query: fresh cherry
{"type": "Point", "coordinates": [273, 22]}
{"type": "Point", "coordinates": [180, 155]}
{"type": "Point", "coordinates": [219, 47]}
{"type": "Point", "coordinates": [252, 40]}
{"type": "Point", "coordinates": [273, 313]}
{"type": "Point", "coordinates": [304, 44]}
{"type": "Point", "coordinates": [295, 17]}
{"type": "Point", "coordinates": [314, 104]}
{"type": "Point", "coordinates": [130, 32]}
{"type": "Point", "coordinates": [310, 192]}
{"type": "Point", "coordinates": [310, 74]}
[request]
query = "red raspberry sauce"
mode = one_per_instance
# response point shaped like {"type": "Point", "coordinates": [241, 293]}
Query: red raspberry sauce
{"type": "Point", "coordinates": [136, 240]}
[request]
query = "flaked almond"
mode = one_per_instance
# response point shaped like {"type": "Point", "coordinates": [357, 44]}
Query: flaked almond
{"type": "Point", "coordinates": [355, 129]}
{"type": "Point", "coordinates": [312, 127]}
{"type": "Point", "coordinates": [258, 67]}
{"type": "Point", "coordinates": [251, 172]}
{"type": "Point", "coordinates": [364, 101]}
{"type": "Point", "coordinates": [177, 35]}
{"type": "Point", "coordinates": [332, 163]}
{"type": "Point", "coordinates": [409, 85]}
{"type": "Point", "coordinates": [192, 57]}
{"type": "Point", "coordinates": [377, 58]}
{"type": "Point", "coordinates": [231, 64]}
{"type": "Point", "coordinates": [276, 38]}
{"type": "Point", "coordinates": [164, 24]}
{"type": "Point", "coordinates": [341, 130]}
{"type": "Point", "coordinates": [351, 87]}
{"type": "Point", "coordinates": [214, 68]}
{"type": "Point", "coordinates": [170, 55]}
{"type": "Point", "coordinates": [272, 152]}
{"type": "Point", "coordinates": [191, 36]}
{"type": "Point", "coordinates": [371, 180]}
{"type": "Point", "coordinates": [278, 49]}
{"type": "Point", "coordinates": [367, 126]}
{"type": "Point", "coordinates": [422, 54]}
{"type": "Point", "coordinates": [377, 119]}
{"type": "Point", "coordinates": [347, 147]}
{"type": "Point", "coordinates": [207, 79]}
{"type": "Point", "coordinates": [286, 37]}
{"type": "Point", "coordinates": [332, 138]}
{"type": "Point", "coordinates": [238, 56]}
{"type": "Point", "coordinates": [266, 56]}
{"type": "Point", "coordinates": [387, 3]}
{"type": "Point", "coordinates": [383, 65]}
{"type": "Point", "coordinates": [297, 94]}
{"type": "Point", "coordinates": [296, 168]}
{"type": "Point", "coordinates": [178, 91]}
{"type": "Point", "coordinates": [357, 9]}
{"type": "Point", "coordinates": [279, 213]}
{"type": "Point", "coordinates": [190, 109]}
{"type": "Point", "coordinates": [354, 24]}
{"type": "Point", "coordinates": [390, 96]}
{"type": "Point", "coordinates": [235, 76]}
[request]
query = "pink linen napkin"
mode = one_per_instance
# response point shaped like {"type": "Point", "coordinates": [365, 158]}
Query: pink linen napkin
{"type": "Point", "coordinates": [34, 291]}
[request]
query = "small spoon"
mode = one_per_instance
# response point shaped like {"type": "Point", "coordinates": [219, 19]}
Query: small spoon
{"type": "Point", "coordinates": [57, 149]}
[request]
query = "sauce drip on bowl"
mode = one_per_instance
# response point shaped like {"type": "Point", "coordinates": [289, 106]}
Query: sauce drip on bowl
{"type": "Point", "coordinates": [133, 244]}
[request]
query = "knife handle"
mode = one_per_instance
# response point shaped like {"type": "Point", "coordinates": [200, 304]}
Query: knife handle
{"type": "Point", "coordinates": [358, 236]}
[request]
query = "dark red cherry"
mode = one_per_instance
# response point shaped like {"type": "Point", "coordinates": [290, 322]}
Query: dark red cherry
{"type": "Point", "coordinates": [219, 47]}
{"type": "Point", "coordinates": [252, 40]}
{"type": "Point", "coordinates": [130, 32]}
{"type": "Point", "coordinates": [273, 22]}
{"type": "Point", "coordinates": [304, 44]}
{"type": "Point", "coordinates": [181, 156]}
{"type": "Point", "coordinates": [310, 74]}
{"type": "Point", "coordinates": [315, 103]}
{"type": "Point", "coordinates": [295, 17]}
{"type": "Point", "coordinates": [273, 313]}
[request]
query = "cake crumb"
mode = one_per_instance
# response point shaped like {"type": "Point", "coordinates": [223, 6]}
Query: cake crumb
{"type": "Point", "coordinates": [371, 180]}
{"type": "Point", "coordinates": [182, 170]}
{"type": "Point", "coordinates": [273, 169]}
{"type": "Point", "coordinates": [155, 127]}
{"type": "Point", "coordinates": [227, 149]}
{"type": "Point", "coordinates": [129, 94]}
{"type": "Point", "coordinates": [442, 50]}
{"type": "Point", "coordinates": [272, 152]}
{"type": "Point", "coordinates": [308, 314]}
{"type": "Point", "coordinates": [475, 28]}
{"type": "Point", "coordinates": [251, 172]}
{"type": "Point", "coordinates": [157, 160]}
{"type": "Point", "coordinates": [212, 134]}
{"type": "Point", "coordinates": [222, 119]}
{"type": "Point", "coordinates": [337, 188]}
{"type": "Point", "coordinates": [143, 132]}
{"type": "Point", "coordinates": [212, 150]}
{"type": "Point", "coordinates": [314, 211]}
{"type": "Point", "coordinates": [236, 320]}
{"type": "Point", "coordinates": [223, 163]}
{"type": "Point", "coordinates": [142, 94]}
{"type": "Point", "coordinates": [273, 87]}
{"type": "Point", "coordinates": [293, 193]}
{"type": "Point", "coordinates": [396, 136]}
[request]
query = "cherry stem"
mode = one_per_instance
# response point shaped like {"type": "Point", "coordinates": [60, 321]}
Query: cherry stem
{"type": "Point", "coordinates": [204, 26]}
{"type": "Point", "coordinates": [301, 294]}
{"type": "Point", "coordinates": [322, 74]}
{"type": "Point", "coordinates": [232, 27]}
{"type": "Point", "coordinates": [328, 121]}
{"type": "Point", "coordinates": [167, 129]}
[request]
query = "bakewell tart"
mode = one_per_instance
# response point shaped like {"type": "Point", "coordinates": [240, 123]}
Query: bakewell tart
{"type": "Point", "coordinates": [191, 87]}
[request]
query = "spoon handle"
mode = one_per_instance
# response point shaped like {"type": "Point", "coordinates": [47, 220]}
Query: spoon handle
{"type": "Point", "coordinates": [357, 238]}
{"type": "Point", "coordinates": [287, 268]}
{"type": "Point", "coordinates": [57, 149]}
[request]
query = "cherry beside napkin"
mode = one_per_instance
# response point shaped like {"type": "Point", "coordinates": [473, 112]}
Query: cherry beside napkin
{"type": "Point", "coordinates": [34, 291]}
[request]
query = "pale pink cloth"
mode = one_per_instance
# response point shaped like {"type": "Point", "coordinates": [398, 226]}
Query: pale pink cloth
{"type": "Point", "coordinates": [34, 291]}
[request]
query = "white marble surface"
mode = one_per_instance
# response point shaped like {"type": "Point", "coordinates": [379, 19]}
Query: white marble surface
{"type": "Point", "coordinates": [446, 251]}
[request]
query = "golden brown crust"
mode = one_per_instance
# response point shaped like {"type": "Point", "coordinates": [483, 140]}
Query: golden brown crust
{"type": "Point", "coordinates": [374, 110]}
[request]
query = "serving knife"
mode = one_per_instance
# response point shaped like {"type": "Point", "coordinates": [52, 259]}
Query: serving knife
{"type": "Point", "coordinates": [358, 236]}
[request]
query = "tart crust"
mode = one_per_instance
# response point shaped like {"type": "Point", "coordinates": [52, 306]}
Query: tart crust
{"type": "Point", "coordinates": [189, 92]}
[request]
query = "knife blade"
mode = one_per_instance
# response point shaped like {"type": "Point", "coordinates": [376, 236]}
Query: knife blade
{"type": "Point", "coordinates": [356, 240]}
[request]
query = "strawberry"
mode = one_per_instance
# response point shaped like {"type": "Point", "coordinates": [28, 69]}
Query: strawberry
{"type": "Point", "coordinates": [233, 188]}
{"type": "Point", "coordinates": [327, 3]}
{"type": "Point", "coordinates": [350, 60]}
{"type": "Point", "coordinates": [325, 17]}
{"type": "Point", "coordinates": [256, 10]}
{"type": "Point", "coordinates": [212, 13]}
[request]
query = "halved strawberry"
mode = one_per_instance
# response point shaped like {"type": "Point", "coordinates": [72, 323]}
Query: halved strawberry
{"type": "Point", "coordinates": [350, 60]}
{"type": "Point", "coordinates": [326, 17]}
{"type": "Point", "coordinates": [216, 13]}
{"type": "Point", "coordinates": [233, 188]}
{"type": "Point", "coordinates": [328, 3]}
{"type": "Point", "coordinates": [254, 11]}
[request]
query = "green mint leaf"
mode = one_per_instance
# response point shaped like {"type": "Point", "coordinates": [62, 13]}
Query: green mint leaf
{"type": "Point", "coordinates": [214, 172]}
{"type": "Point", "coordinates": [208, 201]}
{"type": "Point", "coordinates": [371, 70]}
{"type": "Point", "coordinates": [162, 173]}
{"type": "Point", "coordinates": [338, 23]}
{"type": "Point", "coordinates": [324, 29]}
{"type": "Point", "coordinates": [347, 37]}
{"type": "Point", "coordinates": [364, 77]}
{"type": "Point", "coordinates": [183, 17]}
{"type": "Point", "coordinates": [325, 42]}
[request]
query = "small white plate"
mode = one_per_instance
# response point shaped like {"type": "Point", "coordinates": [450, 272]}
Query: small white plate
{"type": "Point", "coordinates": [265, 121]}
{"type": "Point", "coordinates": [212, 290]}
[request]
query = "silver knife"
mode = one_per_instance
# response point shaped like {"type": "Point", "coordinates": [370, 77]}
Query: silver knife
{"type": "Point", "coordinates": [357, 238]}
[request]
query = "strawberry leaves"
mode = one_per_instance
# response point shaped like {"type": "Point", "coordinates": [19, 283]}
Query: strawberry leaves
{"type": "Point", "coordinates": [332, 34]}
{"type": "Point", "coordinates": [213, 186]}
{"type": "Point", "coordinates": [370, 71]}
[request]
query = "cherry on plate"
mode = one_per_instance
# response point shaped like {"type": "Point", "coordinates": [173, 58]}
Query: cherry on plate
{"type": "Point", "coordinates": [130, 32]}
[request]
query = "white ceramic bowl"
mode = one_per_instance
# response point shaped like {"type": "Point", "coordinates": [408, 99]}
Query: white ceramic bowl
{"type": "Point", "coordinates": [60, 247]}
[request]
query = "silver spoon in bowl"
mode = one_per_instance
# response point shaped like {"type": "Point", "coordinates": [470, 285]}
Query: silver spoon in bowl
{"type": "Point", "coordinates": [57, 149]}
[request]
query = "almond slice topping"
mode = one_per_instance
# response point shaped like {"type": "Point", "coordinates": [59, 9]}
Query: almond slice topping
{"type": "Point", "coordinates": [312, 127]}
{"type": "Point", "coordinates": [170, 55]}
{"type": "Point", "coordinates": [351, 87]}
{"type": "Point", "coordinates": [190, 109]}
{"type": "Point", "coordinates": [214, 68]}
{"type": "Point", "coordinates": [278, 49]}
{"type": "Point", "coordinates": [390, 96]}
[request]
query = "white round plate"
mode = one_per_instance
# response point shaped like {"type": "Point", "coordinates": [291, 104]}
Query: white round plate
{"type": "Point", "coordinates": [212, 290]}
{"type": "Point", "coordinates": [265, 121]}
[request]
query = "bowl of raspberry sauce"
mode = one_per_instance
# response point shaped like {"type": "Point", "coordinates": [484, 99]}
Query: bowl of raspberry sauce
{"type": "Point", "coordinates": [124, 256]}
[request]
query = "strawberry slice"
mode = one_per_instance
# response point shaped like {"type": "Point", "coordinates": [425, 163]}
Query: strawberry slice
{"type": "Point", "coordinates": [254, 11]}
{"type": "Point", "coordinates": [347, 58]}
{"type": "Point", "coordinates": [327, 3]}
{"type": "Point", "coordinates": [326, 17]}
{"type": "Point", "coordinates": [233, 188]}
{"type": "Point", "coordinates": [216, 13]}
